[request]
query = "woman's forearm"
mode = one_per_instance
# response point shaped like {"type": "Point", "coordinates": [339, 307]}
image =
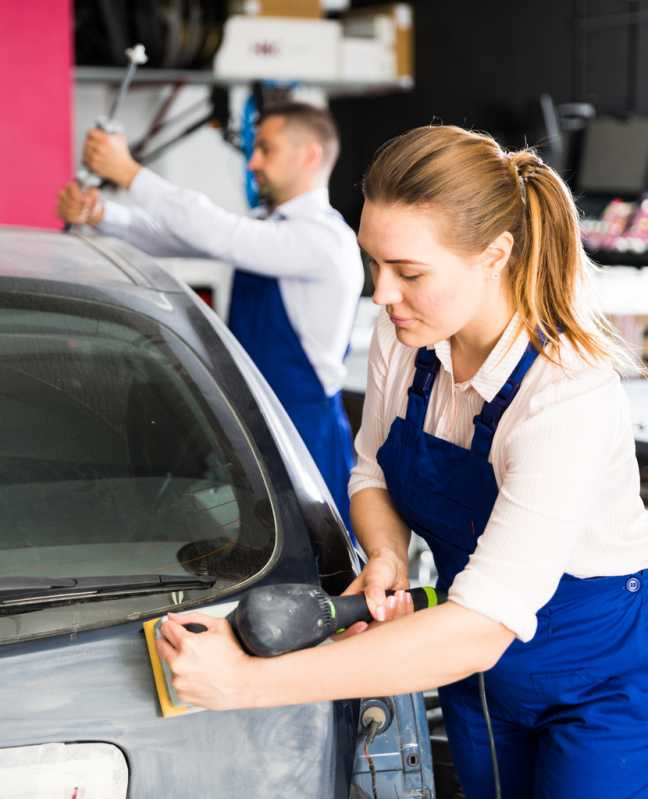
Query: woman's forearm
{"type": "Point", "coordinates": [377, 525]}
{"type": "Point", "coordinates": [418, 652]}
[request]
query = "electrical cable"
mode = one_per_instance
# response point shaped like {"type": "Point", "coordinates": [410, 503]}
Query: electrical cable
{"type": "Point", "coordinates": [491, 737]}
{"type": "Point", "coordinates": [372, 729]}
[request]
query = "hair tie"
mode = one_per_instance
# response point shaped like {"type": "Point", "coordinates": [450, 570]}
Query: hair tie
{"type": "Point", "coordinates": [523, 178]}
{"type": "Point", "coordinates": [523, 191]}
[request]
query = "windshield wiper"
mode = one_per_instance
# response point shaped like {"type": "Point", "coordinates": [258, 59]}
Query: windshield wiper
{"type": "Point", "coordinates": [32, 590]}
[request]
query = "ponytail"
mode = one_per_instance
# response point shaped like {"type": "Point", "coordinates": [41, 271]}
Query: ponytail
{"type": "Point", "coordinates": [482, 191]}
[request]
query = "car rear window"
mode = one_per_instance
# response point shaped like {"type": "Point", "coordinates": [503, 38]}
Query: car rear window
{"type": "Point", "coordinates": [119, 456]}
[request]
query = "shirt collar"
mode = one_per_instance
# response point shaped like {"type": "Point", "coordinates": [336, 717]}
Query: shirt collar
{"type": "Point", "coordinates": [303, 204]}
{"type": "Point", "coordinates": [496, 369]}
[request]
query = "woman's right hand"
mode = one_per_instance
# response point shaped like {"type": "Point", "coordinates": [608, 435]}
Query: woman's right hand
{"type": "Point", "coordinates": [384, 571]}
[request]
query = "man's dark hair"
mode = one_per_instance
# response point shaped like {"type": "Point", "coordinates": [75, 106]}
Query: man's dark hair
{"type": "Point", "coordinates": [317, 121]}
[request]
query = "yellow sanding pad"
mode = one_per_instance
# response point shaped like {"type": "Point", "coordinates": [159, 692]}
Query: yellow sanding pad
{"type": "Point", "coordinates": [170, 705]}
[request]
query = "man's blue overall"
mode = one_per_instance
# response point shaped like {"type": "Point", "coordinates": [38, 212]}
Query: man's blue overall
{"type": "Point", "coordinates": [259, 321]}
{"type": "Point", "coordinates": [569, 708]}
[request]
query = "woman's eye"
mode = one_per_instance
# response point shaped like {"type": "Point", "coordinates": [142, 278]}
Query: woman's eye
{"type": "Point", "coordinates": [410, 278]}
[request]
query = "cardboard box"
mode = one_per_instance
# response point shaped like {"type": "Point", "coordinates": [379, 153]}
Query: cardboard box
{"type": "Point", "coordinates": [390, 23]}
{"type": "Point", "coordinates": [277, 8]}
{"type": "Point", "coordinates": [279, 48]}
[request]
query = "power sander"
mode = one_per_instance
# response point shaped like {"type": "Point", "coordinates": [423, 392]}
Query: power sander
{"type": "Point", "coordinates": [275, 619]}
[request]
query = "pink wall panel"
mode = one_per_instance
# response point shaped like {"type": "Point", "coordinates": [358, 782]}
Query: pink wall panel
{"type": "Point", "coordinates": [36, 108]}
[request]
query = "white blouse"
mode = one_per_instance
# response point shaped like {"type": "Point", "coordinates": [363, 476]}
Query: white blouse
{"type": "Point", "coordinates": [564, 461]}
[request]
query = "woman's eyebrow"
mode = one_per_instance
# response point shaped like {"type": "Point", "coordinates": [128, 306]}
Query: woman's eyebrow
{"type": "Point", "coordinates": [407, 261]}
{"type": "Point", "coordinates": [404, 261]}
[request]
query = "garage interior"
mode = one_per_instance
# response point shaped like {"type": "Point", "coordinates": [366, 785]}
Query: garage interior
{"type": "Point", "coordinates": [565, 77]}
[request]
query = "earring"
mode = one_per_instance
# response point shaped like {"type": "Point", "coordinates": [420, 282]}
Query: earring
{"type": "Point", "coordinates": [495, 276]}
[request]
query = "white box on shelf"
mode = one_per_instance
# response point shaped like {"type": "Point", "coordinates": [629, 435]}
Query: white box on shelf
{"type": "Point", "coordinates": [367, 60]}
{"type": "Point", "coordinates": [279, 48]}
{"type": "Point", "coordinates": [391, 23]}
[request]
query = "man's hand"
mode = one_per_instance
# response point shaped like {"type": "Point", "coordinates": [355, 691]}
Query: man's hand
{"type": "Point", "coordinates": [79, 207]}
{"type": "Point", "coordinates": [209, 669]}
{"type": "Point", "coordinates": [108, 156]}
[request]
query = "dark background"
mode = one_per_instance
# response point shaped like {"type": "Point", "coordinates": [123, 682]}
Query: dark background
{"type": "Point", "coordinates": [484, 65]}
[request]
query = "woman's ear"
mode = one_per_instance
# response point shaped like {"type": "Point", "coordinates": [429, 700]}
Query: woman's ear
{"type": "Point", "coordinates": [496, 255]}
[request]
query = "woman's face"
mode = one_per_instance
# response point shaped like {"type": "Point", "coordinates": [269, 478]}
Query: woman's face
{"type": "Point", "coordinates": [429, 292]}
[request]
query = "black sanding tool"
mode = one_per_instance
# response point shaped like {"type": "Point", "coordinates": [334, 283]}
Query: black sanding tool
{"type": "Point", "coordinates": [275, 619]}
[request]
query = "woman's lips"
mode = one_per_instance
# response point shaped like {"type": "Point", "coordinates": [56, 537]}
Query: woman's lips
{"type": "Point", "coordinates": [399, 321]}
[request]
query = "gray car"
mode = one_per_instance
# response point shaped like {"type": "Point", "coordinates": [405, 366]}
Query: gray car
{"type": "Point", "coordinates": [146, 466]}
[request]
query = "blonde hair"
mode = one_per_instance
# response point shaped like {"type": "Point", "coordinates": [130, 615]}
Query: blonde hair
{"type": "Point", "coordinates": [482, 191]}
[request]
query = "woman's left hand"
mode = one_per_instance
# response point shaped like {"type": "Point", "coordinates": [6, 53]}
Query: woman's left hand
{"type": "Point", "coordinates": [397, 605]}
{"type": "Point", "coordinates": [209, 669]}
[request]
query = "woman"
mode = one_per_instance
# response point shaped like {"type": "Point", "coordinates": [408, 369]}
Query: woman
{"type": "Point", "coordinates": [495, 426]}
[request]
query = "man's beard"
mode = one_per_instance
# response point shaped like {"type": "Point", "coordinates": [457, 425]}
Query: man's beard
{"type": "Point", "coordinates": [266, 194]}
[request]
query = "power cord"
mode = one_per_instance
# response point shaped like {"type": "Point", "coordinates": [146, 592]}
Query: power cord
{"type": "Point", "coordinates": [491, 737]}
{"type": "Point", "coordinates": [372, 729]}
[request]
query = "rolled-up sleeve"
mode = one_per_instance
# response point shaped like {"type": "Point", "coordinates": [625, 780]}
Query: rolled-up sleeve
{"type": "Point", "coordinates": [372, 433]}
{"type": "Point", "coordinates": [554, 461]}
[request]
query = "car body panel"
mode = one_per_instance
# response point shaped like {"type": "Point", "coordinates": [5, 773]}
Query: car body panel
{"type": "Point", "coordinates": [99, 687]}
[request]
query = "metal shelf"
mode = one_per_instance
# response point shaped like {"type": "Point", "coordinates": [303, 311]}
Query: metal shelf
{"type": "Point", "coordinates": [208, 78]}
{"type": "Point", "coordinates": [144, 75]}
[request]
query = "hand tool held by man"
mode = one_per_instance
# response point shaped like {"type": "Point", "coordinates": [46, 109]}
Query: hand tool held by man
{"type": "Point", "coordinates": [79, 202]}
{"type": "Point", "coordinates": [86, 176]}
{"type": "Point", "coordinates": [104, 154]}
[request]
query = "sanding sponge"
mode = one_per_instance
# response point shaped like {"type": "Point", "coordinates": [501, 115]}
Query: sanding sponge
{"type": "Point", "coordinates": [170, 703]}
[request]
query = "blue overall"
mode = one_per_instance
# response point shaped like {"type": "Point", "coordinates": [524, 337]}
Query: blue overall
{"type": "Point", "coordinates": [259, 321]}
{"type": "Point", "coordinates": [570, 707]}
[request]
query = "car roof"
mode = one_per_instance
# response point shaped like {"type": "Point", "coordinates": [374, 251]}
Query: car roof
{"type": "Point", "coordinates": [79, 259]}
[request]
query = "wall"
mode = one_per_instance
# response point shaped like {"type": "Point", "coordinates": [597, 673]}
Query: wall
{"type": "Point", "coordinates": [478, 64]}
{"type": "Point", "coordinates": [35, 121]}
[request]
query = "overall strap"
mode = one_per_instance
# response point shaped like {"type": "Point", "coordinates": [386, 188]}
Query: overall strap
{"type": "Point", "coordinates": [486, 422]}
{"type": "Point", "coordinates": [427, 366]}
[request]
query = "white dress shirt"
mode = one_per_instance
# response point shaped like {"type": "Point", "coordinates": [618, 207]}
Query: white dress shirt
{"type": "Point", "coordinates": [304, 243]}
{"type": "Point", "coordinates": [564, 461]}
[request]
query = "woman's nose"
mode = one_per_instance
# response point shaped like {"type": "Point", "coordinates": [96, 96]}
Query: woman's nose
{"type": "Point", "coordinates": [386, 289]}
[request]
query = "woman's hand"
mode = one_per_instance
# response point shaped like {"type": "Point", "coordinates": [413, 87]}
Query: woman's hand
{"type": "Point", "coordinates": [209, 669]}
{"type": "Point", "coordinates": [384, 571]}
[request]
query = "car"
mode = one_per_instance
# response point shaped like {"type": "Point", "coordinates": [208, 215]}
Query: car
{"type": "Point", "coordinates": [146, 466]}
